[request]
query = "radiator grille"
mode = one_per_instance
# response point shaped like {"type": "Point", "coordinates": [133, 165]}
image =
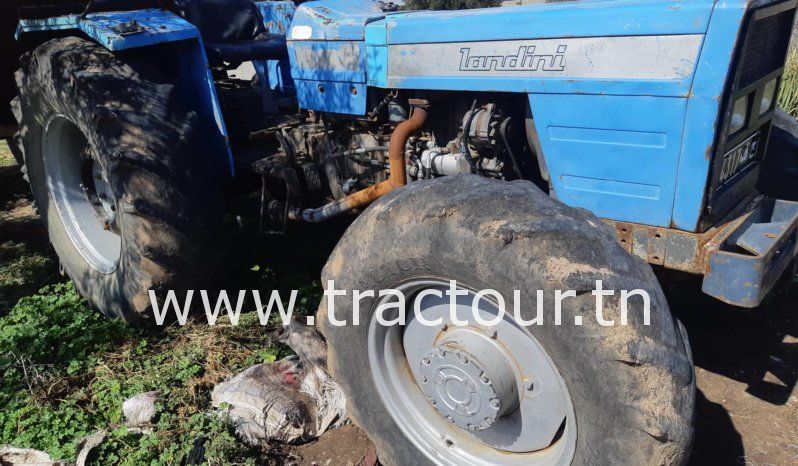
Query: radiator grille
{"type": "Point", "coordinates": [765, 46]}
{"type": "Point", "coordinates": [759, 59]}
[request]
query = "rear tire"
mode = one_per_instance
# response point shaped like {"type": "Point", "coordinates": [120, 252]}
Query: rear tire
{"type": "Point", "coordinates": [80, 105]}
{"type": "Point", "coordinates": [631, 388]}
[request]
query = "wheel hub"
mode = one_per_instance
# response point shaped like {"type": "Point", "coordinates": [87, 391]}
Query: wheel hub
{"type": "Point", "coordinates": [473, 394]}
{"type": "Point", "coordinates": [470, 388]}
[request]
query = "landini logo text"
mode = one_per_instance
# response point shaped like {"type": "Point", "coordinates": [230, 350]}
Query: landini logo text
{"type": "Point", "coordinates": [524, 60]}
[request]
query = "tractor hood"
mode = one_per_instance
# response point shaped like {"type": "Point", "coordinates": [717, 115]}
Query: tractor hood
{"type": "Point", "coordinates": [334, 20]}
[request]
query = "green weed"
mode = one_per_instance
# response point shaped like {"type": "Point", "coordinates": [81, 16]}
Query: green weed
{"type": "Point", "coordinates": [788, 96]}
{"type": "Point", "coordinates": [6, 159]}
{"type": "Point", "coordinates": [23, 270]}
{"type": "Point", "coordinates": [66, 371]}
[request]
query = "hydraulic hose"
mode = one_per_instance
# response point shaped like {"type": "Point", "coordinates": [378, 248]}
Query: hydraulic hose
{"type": "Point", "coordinates": [397, 166]}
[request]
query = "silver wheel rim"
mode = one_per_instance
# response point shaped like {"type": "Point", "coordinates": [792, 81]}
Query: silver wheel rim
{"type": "Point", "coordinates": [470, 395]}
{"type": "Point", "coordinates": [82, 196]}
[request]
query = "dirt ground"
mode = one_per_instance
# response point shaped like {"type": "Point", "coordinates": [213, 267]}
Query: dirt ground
{"type": "Point", "coordinates": [746, 366]}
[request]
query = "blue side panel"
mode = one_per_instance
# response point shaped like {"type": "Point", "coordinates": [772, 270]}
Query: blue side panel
{"type": "Point", "coordinates": [616, 156]}
{"type": "Point", "coordinates": [378, 71]}
{"type": "Point", "coordinates": [377, 54]}
{"type": "Point", "coordinates": [341, 61]}
{"type": "Point", "coordinates": [703, 112]}
{"type": "Point", "coordinates": [333, 97]}
{"type": "Point", "coordinates": [328, 54]}
{"type": "Point", "coordinates": [596, 18]}
{"type": "Point", "coordinates": [277, 17]}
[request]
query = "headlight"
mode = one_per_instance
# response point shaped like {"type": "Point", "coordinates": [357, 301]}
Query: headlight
{"type": "Point", "coordinates": [768, 96]}
{"type": "Point", "coordinates": [739, 116]}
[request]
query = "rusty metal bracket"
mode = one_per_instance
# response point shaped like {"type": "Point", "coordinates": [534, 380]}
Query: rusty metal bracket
{"type": "Point", "coordinates": [674, 249]}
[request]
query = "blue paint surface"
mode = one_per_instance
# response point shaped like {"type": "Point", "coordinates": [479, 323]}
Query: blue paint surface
{"type": "Point", "coordinates": [277, 17]}
{"type": "Point", "coordinates": [335, 20]}
{"type": "Point", "coordinates": [598, 18]}
{"type": "Point", "coordinates": [610, 155]}
{"type": "Point", "coordinates": [703, 112]}
{"type": "Point", "coordinates": [157, 27]}
{"type": "Point", "coordinates": [336, 27]}
{"type": "Point", "coordinates": [333, 97]}
{"type": "Point", "coordinates": [745, 278]}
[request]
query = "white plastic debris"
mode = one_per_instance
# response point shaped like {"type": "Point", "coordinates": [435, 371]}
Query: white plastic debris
{"type": "Point", "coordinates": [87, 445]}
{"type": "Point", "coordinates": [311, 348]}
{"type": "Point", "coordinates": [10, 456]}
{"type": "Point", "coordinates": [140, 410]}
{"type": "Point", "coordinates": [265, 403]}
{"type": "Point", "coordinates": [291, 400]}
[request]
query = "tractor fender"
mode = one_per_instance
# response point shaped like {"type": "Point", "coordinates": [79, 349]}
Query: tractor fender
{"type": "Point", "coordinates": [171, 41]}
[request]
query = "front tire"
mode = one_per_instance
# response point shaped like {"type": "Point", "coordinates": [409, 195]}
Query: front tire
{"type": "Point", "coordinates": [129, 204]}
{"type": "Point", "coordinates": [625, 394]}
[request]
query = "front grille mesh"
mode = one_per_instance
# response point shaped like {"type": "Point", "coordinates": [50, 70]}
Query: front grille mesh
{"type": "Point", "coordinates": [765, 47]}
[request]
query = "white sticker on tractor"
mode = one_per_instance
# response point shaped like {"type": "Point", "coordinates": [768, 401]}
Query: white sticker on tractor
{"type": "Point", "coordinates": [301, 32]}
{"type": "Point", "coordinates": [630, 57]}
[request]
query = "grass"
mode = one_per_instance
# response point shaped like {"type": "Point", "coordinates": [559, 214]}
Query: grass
{"type": "Point", "coordinates": [788, 96]}
{"type": "Point", "coordinates": [6, 159]}
{"type": "Point", "coordinates": [66, 371]}
{"type": "Point", "coordinates": [23, 269]}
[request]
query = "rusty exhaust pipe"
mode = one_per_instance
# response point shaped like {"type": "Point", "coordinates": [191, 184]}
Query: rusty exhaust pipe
{"type": "Point", "coordinates": [396, 162]}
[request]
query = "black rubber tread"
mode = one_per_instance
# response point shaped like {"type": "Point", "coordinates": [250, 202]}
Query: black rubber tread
{"type": "Point", "coordinates": [633, 387]}
{"type": "Point", "coordinates": [15, 143]}
{"type": "Point", "coordinates": [167, 196]}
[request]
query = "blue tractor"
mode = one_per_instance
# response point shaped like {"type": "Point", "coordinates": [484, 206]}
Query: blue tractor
{"type": "Point", "coordinates": [543, 147]}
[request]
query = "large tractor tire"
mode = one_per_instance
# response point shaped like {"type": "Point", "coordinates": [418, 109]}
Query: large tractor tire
{"type": "Point", "coordinates": [505, 394]}
{"type": "Point", "coordinates": [129, 204]}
